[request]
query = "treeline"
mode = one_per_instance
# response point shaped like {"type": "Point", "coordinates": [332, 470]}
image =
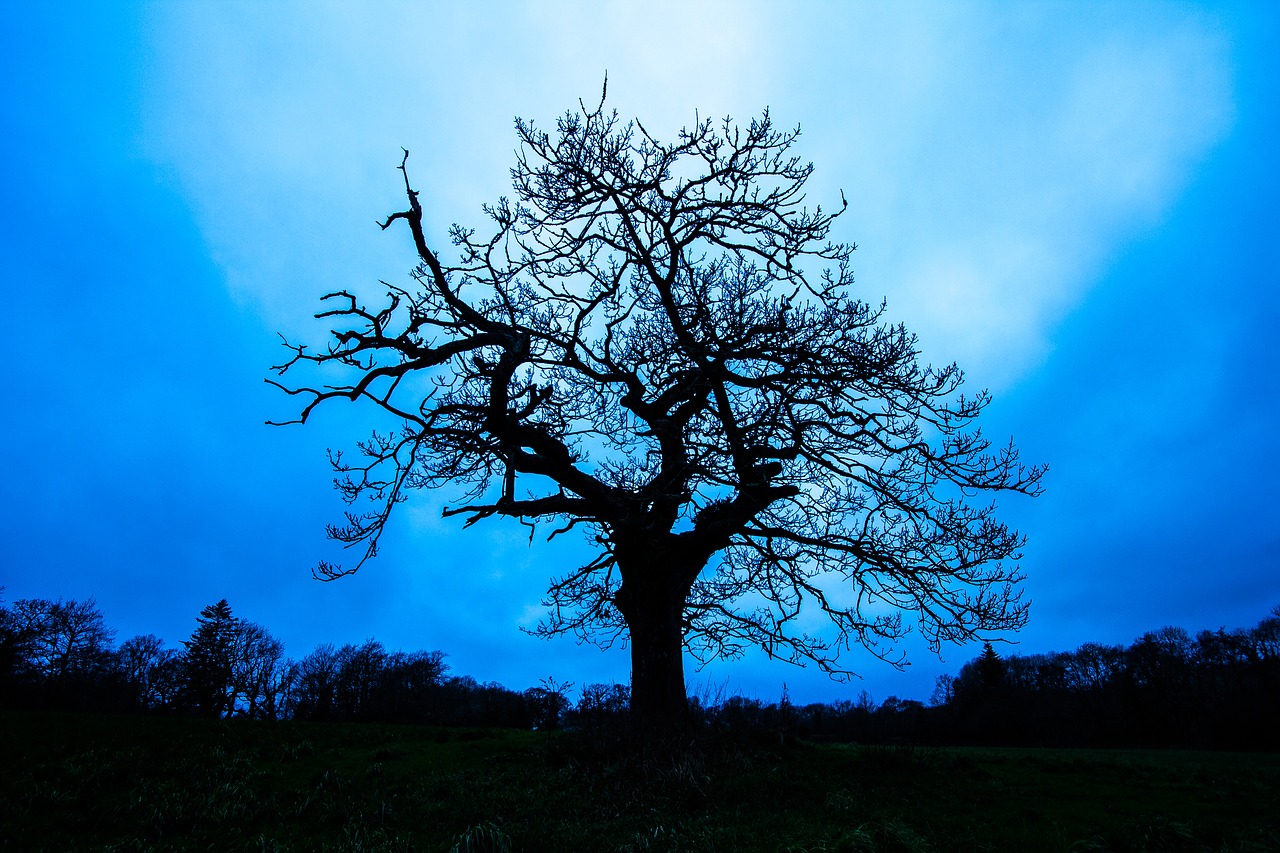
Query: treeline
{"type": "Point", "coordinates": [1218, 689]}
{"type": "Point", "coordinates": [60, 655]}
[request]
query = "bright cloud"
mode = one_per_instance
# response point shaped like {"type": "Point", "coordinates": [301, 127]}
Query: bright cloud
{"type": "Point", "coordinates": [285, 137]}
{"type": "Point", "coordinates": [993, 162]}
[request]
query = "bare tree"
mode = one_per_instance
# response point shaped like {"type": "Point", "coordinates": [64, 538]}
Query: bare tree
{"type": "Point", "coordinates": [313, 687]}
{"type": "Point", "coordinates": [409, 686]}
{"type": "Point", "coordinates": [657, 343]}
{"type": "Point", "coordinates": [1266, 637]}
{"type": "Point", "coordinates": [153, 671]}
{"type": "Point", "coordinates": [62, 639]}
{"type": "Point", "coordinates": [259, 671]}
{"type": "Point", "coordinates": [360, 671]}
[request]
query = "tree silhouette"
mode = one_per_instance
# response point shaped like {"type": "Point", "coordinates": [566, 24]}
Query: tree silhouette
{"type": "Point", "coordinates": [314, 686]}
{"type": "Point", "coordinates": [991, 669]}
{"type": "Point", "coordinates": [154, 672]}
{"type": "Point", "coordinates": [657, 343]}
{"type": "Point", "coordinates": [208, 661]}
{"type": "Point", "coordinates": [63, 646]}
{"type": "Point", "coordinates": [260, 673]}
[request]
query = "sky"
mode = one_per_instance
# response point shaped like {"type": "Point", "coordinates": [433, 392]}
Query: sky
{"type": "Point", "coordinates": [1076, 202]}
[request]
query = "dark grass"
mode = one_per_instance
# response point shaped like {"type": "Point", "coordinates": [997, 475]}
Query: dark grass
{"type": "Point", "coordinates": [70, 782]}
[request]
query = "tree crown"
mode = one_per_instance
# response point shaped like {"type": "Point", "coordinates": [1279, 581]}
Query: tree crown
{"type": "Point", "coordinates": [658, 342]}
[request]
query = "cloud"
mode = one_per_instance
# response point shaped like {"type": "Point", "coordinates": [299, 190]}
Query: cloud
{"type": "Point", "coordinates": [995, 162]}
{"type": "Point", "coordinates": [284, 136]}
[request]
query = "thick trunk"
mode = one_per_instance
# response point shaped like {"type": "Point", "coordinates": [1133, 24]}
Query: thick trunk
{"type": "Point", "coordinates": [659, 704]}
{"type": "Point", "coordinates": [652, 600]}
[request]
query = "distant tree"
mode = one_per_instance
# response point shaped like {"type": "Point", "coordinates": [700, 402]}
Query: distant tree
{"type": "Point", "coordinates": [609, 698]}
{"type": "Point", "coordinates": [1266, 637]}
{"type": "Point", "coordinates": [61, 639]}
{"type": "Point", "coordinates": [1159, 671]}
{"type": "Point", "coordinates": [465, 702]}
{"type": "Point", "coordinates": [1094, 666]}
{"type": "Point", "coordinates": [360, 670]}
{"type": "Point", "coordinates": [314, 686]}
{"type": "Point", "coordinates": [991, 669]}
{"type": "Point", "coordinates": [1266, 644]}
{"type": "Point", "coordinates": [153, 671]}
{"type": "Point", "coordinates": [895, 706]}
{"type": "Point", "coordinates": [944, 690]}
{"type": "Point", "coordinates": [208, 661]}
{"type": "Point", "coordinates": [1219, 690]}
{"type": "Point", "coordinates": [658, 343]}
{"type": "Point", "coordinates": [409, 689]}
{"type": "Point", "coordinates": [740, 713]}
{"type": "Point", "coordinates": [549, 701]}
{"type": "Point", "coordinates": [898, 720]}
{"type": "Point", "coordinates": [1161, 659]}
{"type": "Point", "coordinates": [1223, 649]}
{"type": "Point", "coordinates": [259, 671]}
{"type": "Point", "coordinates": [12, 650]}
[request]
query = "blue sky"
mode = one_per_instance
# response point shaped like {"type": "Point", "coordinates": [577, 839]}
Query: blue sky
{"type": "Point", "coordinates": [1076, 202]}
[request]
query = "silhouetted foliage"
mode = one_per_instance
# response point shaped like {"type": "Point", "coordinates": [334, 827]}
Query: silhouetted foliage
{"type": "Point", "coordinates": [59, 653]}
{"type": "Point", "coordinates": [1220, 689]}
{"type": "Point", "coordinates": [260, 673]}
{"type": "Point", "coordinates": [207, 687]}
{"type": "Point", "coordinates": [368, 684]}
{"type": "Point", "coordinates": [10, 652]}
{"type": "Point", "coordinates": [549, 701]}
{"type": "Point", "coordinates": [658, 343]}
{"type": "Point", "coordinates": [991, 670]}
{"type": "Point", "coordinates": [603, 711]}
{"type": "Point", "coordinates": [1216, 689]}
{"type": "Point", "coordinates": [409, 687]}
{"type": "Point", "coordinates": [314, 686]}
{"type": "Point", "coordinates": [154, 673]}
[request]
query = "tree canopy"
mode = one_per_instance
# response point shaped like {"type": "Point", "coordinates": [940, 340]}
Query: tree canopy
{"type": "Point", "coordinates": [658, 343]}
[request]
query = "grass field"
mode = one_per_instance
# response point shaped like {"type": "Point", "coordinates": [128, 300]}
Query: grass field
{"type": "Point", "coordinates": [71, 782]}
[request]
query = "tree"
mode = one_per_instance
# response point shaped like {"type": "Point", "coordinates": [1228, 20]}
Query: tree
{"type": "Point", "coordinates": [360, 672]}
{"type": "Point", "coordinates": [549, 702]}
{"type": "Point", "coordinates": [314, 687]}
{"type": "Point", "coordinates": [408, 686]}
{"type": "Point", "coordinates": [61, 640]}
{"type": "Point", "coordinates": [944, 691]}
{"type": "Point", "coordinates": [991, 669]}
{"type": "Point", "coordinates": [153, 671]}
{"type": "Point", "coordinates": [657, 343]}
{"type": "Point", "coordinates": [259, 671]}
{"type": "Point", "coordinates": [207, 669]}
{"type": "Point", "coordinates": [12, 651]}
{"type": "Point", "coordinates": [1095, 666]}
{"type": "Point", "coordinates": [603, 707]}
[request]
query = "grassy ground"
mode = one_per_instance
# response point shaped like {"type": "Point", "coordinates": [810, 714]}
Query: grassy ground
{"type": "Point", "coordinates": [117, 783]}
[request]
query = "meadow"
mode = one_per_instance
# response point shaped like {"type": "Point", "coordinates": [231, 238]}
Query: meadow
{"type": "Point", "coordinates": [129, 783]}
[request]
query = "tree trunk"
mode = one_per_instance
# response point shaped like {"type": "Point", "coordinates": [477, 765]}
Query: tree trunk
{"type": "Point", "coordinates": [659, 704]}
{"type": "Point", "coordinates": [652, 599]}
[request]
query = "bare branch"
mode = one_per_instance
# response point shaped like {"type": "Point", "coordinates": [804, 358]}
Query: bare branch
{"type": "Point", "coordinates": [658, 344]}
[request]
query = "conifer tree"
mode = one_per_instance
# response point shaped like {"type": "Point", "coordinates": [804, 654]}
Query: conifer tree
{"type": "Point", "coordinates": [208, 661]}
{"type": "Point", "coordinates": [990, 668]}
